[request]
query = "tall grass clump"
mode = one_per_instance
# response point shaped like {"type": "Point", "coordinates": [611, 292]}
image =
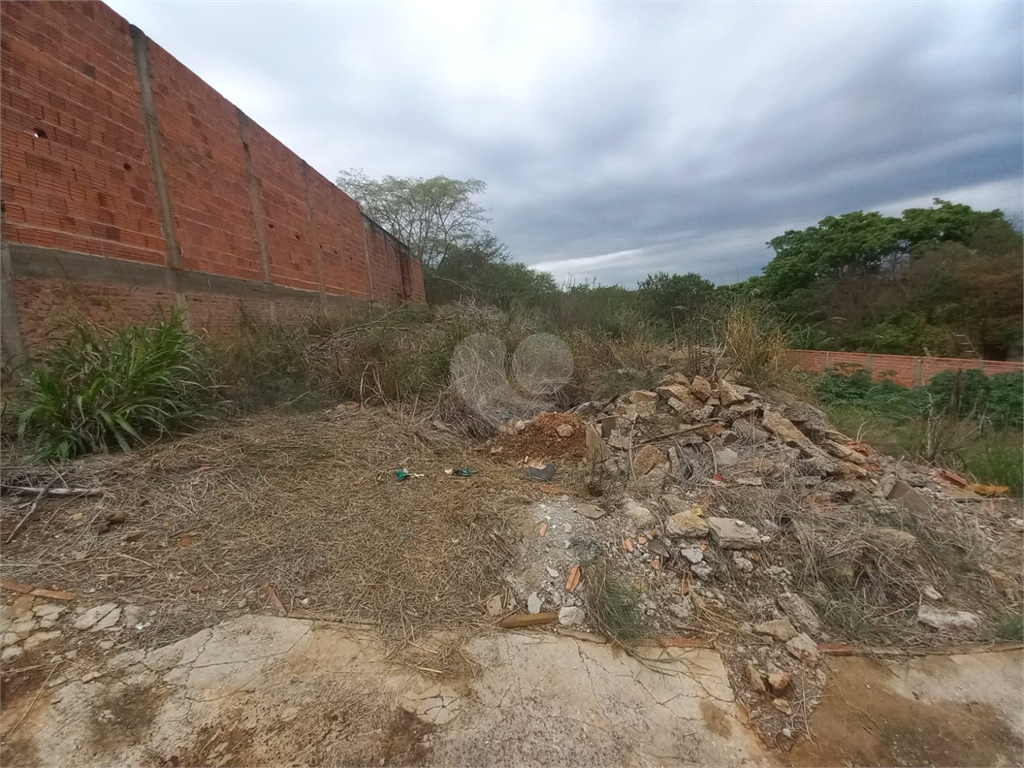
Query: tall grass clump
{"type": "Point", "coordinates": [99, 389]}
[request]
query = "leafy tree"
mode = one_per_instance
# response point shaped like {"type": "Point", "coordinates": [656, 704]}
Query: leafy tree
{"type": "Point", "coordinates": [432, 216]}
{"type": "Point", "coordinates": [675, 299]}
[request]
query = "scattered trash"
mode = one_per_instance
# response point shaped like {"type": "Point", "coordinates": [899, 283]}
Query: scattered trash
{"type": "Point", "coordinates": [464, 472]}
{"type": "Point", "coordinates": [544, 529]}
{"type": "Point", "coordinates": [544, 472]}
{"type": "Point", "coordinates": [401, 474]}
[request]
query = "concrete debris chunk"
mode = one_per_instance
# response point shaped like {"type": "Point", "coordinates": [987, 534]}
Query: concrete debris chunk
{"type": "Point", "coordinates": [779, 629]}
{"type": "Point", "coordinates": [646, 459]}
{"type": "Point", "coordinates": [945, 620]}
{"type": "Point", "coordinates": [729, 533]}
{"type": "Point", "coordinates": [803, 649]}
{"type": "Point", "coordinates": [686, 525]}
{"type": "Point", "coordinates": [92, 616]}
{"type": "Point", "coordinates": [700, 388]}
{"type": "Point", "coordinates": [753, 675]}
{"type": "Point", "coordinates": [571, 616]}
{"type": "Point", "coordinates": [800, 612]}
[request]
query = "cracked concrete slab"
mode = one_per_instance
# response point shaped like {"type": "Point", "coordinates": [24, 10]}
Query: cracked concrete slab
{"type": "Point", "coordinates": [266, 690]}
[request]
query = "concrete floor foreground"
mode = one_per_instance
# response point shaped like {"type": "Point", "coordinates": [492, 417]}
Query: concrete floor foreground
{"type": "Point", "coordinates": [261, 690]}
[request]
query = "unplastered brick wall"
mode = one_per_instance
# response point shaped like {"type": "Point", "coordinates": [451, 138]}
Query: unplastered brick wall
{"type": "Point", "coordinates": [116, 155]}
{"type": "Point", "coordinates": [902, 369]}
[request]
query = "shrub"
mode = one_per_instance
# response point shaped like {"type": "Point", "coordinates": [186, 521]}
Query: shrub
{"type": "Point", "coordinates": [98, 389]}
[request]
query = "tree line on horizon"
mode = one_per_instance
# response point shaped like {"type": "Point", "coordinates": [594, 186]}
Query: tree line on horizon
{"type": "Point", "coordinates": [941, 281]}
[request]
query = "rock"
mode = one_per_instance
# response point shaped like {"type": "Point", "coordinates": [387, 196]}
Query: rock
{"type": "Point", "coordinates": [884, 487]}
{"type": "Point", "coordinates": [693, 554]}
{"type": "Point", "coordinates": [800, 612]}
{"type": "Point", "coordinates": [901, 542]}
{"type": "Point", "coordinates": [753, 675]}
{"type": "Point", "coordinates": [783, 429]}
{"type": "Point", "coordinates": [567, 528]}
{"type": "Point", "coordinates": [533, 603]}
{"type": "Point", "coordinates": [729, 533]}
{"type": "Point", "coordinates": [619, 439]}
{"type": "Point", "coordinates": [133, 536]}
{"type": "Point", "coordinates": [803, 649]}
{"type": "Point", "coordinates": [88, 677]}
{"type": "Point", "coordinates": [597, 449]}
{"type": "Point", "coordinates": [686, 525]}
{"type": "Point", "coordinates": [681, 610]}
{"type": "Point", "coordinates": [909, 498]}
{"type": "Point", "coordinates": [49, 610]}
{"type": "Point", "coordinates": [842, 571]}
{"type": "Point", "coordinates": [565, 430]}
{"type": "Point", "coordinates": [552, 572]}
{"type": "Point", "coordinates": [11, 652]}
{"type": "Point", "coordinates": [729, 394]}
{"type": "Point", "coordinates": [131, 615]}
{"type": "Point", "coordinates": [22, 627]}
{"type": "Point", "coordinates": [943, 620]}
{"type": "Point", "coordinates": [639, 396]}
{"type": "Point", "coordinates": [783, 706]}
{"type": "Point", "coordinates": [571, 616]}
{"type": "Point", "coordinates": [106, 645]}
{"type": "Point", "coordinates": [845, 452]}
{"type": "Point", "coordinates": [677, 405]}
{"type": "Point", "coordinates": [9, 638]}
{"type": "Point", "coordinates": [646, 459]}
{"type": "Point", "coordinates": [700, 388]}
{"type": "Point", "coordinates": [88, 619]}
{"type": "Point", "coordinates": [702, 571]}
{"type": "Point", "coordinates": [787, 732]}
{"type": "Point", "coordinates": [778, 681]}
{"type": "Point", "coordinates": [931, 592]}
{"type": "Point", "coordinates": [108, 622]}
{"type": "Point", "coordinates": [743, 564]}
{"type": "Point", "coordinates": [116, 517]}
{"type": "Point", "coordinates": [680, 392]}
{"type": "Point", "coordinates": [726, 457]}
{"type": "Point", "coordinates": [780, 629]}
{"type": "Point", "coordinates": [750, 433]}
{"type": "Point", "coordinates": [639, 514]}
{"type": "Point", "coordinates": [590, 510]}
{"type": "Point", "coordinates": [39, 638]}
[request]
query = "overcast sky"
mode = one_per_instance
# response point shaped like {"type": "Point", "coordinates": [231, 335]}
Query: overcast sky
{"type": "Point", "coordinates": [620, 139]}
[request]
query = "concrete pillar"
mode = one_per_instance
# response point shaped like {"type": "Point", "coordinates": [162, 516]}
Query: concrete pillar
{"type": "Point", "coordinates": [259, 223]}
{"type": "Point", "coordinates": [917, 371]}
{"type": "Point", "coordinates": [314, 244]}
{"type": "Point", "coordinates": [11, 340]}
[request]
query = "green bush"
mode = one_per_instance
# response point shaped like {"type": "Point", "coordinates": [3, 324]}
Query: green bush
{"type": "Point", "coordinates": [100, 389]}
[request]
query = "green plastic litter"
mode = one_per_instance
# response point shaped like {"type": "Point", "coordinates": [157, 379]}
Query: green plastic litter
{"type": "Point", "coordinates": [401, 474]}
{"type": "Point", "coordinates": [464, 472]}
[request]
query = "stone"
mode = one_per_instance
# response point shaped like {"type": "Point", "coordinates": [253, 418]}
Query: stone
{"type": "Point", "coordinates": [783, 429]}
{"type": "Point", "coordinates": [729, 533]}
{"type": "Point", "coordinates": [686, 525]}
{"type": "Point", "coordinates": [700, 388]}
{"type": "Point", "coordinates": [693, 554]}
{"type": "Point", "coordinates": [943, 620]}
{"type": "Point", "coordinates": [552, 572]}
{"type": "Point", "coordinates": [682, 609]}
{"type": "Point", "coordinates": [131, 615]}
{"type": "Point", "coordinates": [726, 457]}
{"type": "Point", "coordinates": [619, 439]}
{"type": "Point", "coordinates": [780, 629]}
{"type": "Point", "coordinates": [754, 677]}
{"type": "Point", "coordinates": [9, 638]}
{"type": "Point", "coordinates": [88, 677]}
{"type": "Point", "coordinates": [108, 622]}
{"type": "Point", "coordinates": [679, 392]}
{"type": "Point", "coordinates": [638, 513]}
{"type": "Point", "coordinates": [845, 453]}
{"type": "Point", "coordinates": [571, 616]}
{"type": "Point", "coordinates": [901, 542]}
{"type": "Point", "coordinates": [565, 430]}
{"type": "Point", "coordinates": [106, 645]}
{"type": "Point", "coordinates": [39, 638]}
{"type": "Point", "coordinates": [677, 405]}
{"type": "Point", "coordinates": [749, 433]}
{"type": "Point", "coordinates": [533, 603]}
{"type": "Point", "coordinates": [800, 612]}
{"type": "Point", "coordinates": [778, 681]}
{"type": "Point", "coordinates": [639, 396]}
{"type": "Point", "coordinates": [49, 610]}
{"type": "Point", "coordinates": [116, 517]}
{"type": "Point", "coordinates": [646, 459]}
{"type": "Point", "coordinates": [22, 627]}
{"type": "Point", "coordinates": [597, 450]}
{"type": "Point", "coordinates": [702, 571]}
{"type": "Point", "coordinates": [803, 649]}
{"type": "Point", "coordinates": [729, 394]}
{"type": "Point", "coordinates": [884, 487]}
{"type": "Point", "coordinates": [743, 564]}
{"type": "Point", "coordinates": [909, 498]}
{"type": "Point", "coordinates": [931, 592]}
{"type": "Point", "coordinates": [783, 706]}
{"type": "Point", "coordinates": [787, 732]}
{"type": "Point", "coordinates": [11, 652]}
{"type": "Point", "coordinates": [590, 510]}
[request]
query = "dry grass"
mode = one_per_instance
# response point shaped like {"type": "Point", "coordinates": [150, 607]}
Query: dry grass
{"type": "Point", "coordinates": [308, 504]}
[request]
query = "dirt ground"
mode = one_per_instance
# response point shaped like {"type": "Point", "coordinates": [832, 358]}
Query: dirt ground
{"type": "Point", "coordinates": [271, 591]}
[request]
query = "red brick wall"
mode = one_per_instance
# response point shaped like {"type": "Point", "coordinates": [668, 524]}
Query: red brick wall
{"type": "Point", "coordinates": [903, 369]}
{"type": "Point", "coordinates": [76, 175]}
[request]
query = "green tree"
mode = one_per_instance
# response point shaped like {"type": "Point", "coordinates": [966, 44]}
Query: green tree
{"type": "Point", "coordinates": [432, 216]}
{"type": "Point", "coordinates": [675, 299]}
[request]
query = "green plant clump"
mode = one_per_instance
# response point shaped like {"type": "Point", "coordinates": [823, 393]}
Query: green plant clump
{"type": "Point", "coordinates": [100, 389]}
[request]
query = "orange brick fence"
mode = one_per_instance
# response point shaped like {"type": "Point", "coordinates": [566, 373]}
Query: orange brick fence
{"type": "Point", "coordinates": [902, 369]}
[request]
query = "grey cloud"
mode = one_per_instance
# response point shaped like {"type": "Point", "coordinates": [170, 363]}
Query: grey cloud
{"type": "Point", "coordinates": [619, 140]}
